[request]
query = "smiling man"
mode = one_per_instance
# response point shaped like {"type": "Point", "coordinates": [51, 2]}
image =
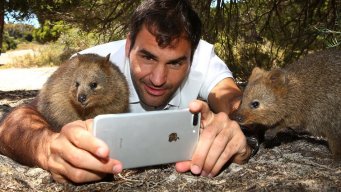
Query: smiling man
{"type": "Point", "coordinates": [157, 72]}
{"type": "Point", "coordinates": [167, 67]}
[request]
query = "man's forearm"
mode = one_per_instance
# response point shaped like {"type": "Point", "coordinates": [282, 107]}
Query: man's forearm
{"type": "Point", "coordinates": [225, 97]}
{"type": "Point", "coordinates": [24, 136]}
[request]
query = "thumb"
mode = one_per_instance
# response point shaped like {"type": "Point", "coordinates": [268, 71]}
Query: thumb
{"type": "Point", "coordinates": [198, 106]}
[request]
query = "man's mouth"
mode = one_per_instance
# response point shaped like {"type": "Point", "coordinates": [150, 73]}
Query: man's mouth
{"type": "Point", "coordinates": [155, 91]}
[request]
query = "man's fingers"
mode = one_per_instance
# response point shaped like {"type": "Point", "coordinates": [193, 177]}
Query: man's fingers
{"type": "Point", "coordinates": [202, 149]}
{"type": "Point", "coordinates": [230, 150]}
{"type": "Point", "coordinates": [59, 178]}
{"type": "Point", "coordinates": [79, 166]}
{"type": "Point", "coordinates": [183, 166]}
{"type": "Point", "coordinates": [218, 152]}
{"type": "Point", "coordinates": [236, 148]}
{"type": "Point", "coordinates": [197, 106]}
{"type": "Point", "coordinates": [78, 157]}
{"type": "Point", "coordinates": [220, 140]}
{"type": "Point", "coordinates": [243, 156]}
{"type": "Point", "coordinates": [82, 138]}
{"type": "Point", "coordinates": [89, 124]}
{"type": "Point", "coordinates": [61, 169]}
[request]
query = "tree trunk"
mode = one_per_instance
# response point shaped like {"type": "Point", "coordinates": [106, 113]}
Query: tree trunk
{"type": "Point", "coordinates": [2, 22]}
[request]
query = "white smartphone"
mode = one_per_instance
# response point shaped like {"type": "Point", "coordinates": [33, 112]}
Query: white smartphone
{"type": "Point", "coordinates": [149, 138]}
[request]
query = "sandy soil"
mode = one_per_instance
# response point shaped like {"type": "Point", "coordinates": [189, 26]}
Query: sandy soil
{"type": "Point", "coordinates": [21, 78]}
{"type": "Point", "coordinates": [24, 79]}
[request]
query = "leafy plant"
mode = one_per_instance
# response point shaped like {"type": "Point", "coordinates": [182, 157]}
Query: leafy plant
{"type": "Point", "coordinates": [49, 31]}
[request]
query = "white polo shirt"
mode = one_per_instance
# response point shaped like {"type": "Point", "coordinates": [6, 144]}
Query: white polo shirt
{"type": "Point", "coordinates": [206, 71]}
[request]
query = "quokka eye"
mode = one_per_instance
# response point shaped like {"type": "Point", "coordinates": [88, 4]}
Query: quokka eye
{"type": "Point", "coordinates": [77, 84]}
{"type": "Point", "coordinates": [254, 104]}
{"type": "Point", "coordinates": [93, 85]}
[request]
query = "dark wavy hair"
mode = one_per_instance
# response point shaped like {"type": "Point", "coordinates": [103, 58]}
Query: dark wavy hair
{"type": "Point", "coordinates": [167, 20]}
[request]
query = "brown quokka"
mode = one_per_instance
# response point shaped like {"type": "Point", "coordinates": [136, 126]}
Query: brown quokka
{"type": "Point", "coordinates": [81, 88]}
{"type": "Point", "coordinates": [303, 96]}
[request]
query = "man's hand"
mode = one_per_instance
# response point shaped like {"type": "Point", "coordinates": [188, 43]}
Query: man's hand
{"type": "Point", "coordinates": [76, 155]}
{"type": "Point", "coordinates": [221, 141]}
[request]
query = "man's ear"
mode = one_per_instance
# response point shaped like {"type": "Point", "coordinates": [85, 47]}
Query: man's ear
{"type": "Point", "coordinates": [128, 44]}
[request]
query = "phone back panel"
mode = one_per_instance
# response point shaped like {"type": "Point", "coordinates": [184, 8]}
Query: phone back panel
{"type": "Point", "coordinates": [150, 138]}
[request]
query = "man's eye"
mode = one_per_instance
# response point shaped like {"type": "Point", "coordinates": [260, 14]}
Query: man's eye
{"type": "Point", "coordinates": [175, 65]}
{"type": "Point", "coordinates": [147, 57]}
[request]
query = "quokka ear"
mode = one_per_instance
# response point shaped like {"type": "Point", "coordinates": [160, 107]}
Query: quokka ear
{"type": "Point", "coordinates": [257, 73]}
{"type": "Point", "coordinates": [80, 57]}
{"type": "Point", "coordinates": [76, 59]}
{"type": "Point", "coordinates": [107, 57]}
{"type": "Point", "coordinates": [257, 70]}
{"type": "Point", "coordinates": [278, 78]}
{"type": "Point", "coordinates": [106, 62]}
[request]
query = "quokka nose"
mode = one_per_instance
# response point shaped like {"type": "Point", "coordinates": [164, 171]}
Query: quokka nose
{"type": "Point", "coordinates": [82, 98]}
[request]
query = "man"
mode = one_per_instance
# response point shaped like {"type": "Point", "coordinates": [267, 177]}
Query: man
{"type": "Point", "coordinates": [167, 66]}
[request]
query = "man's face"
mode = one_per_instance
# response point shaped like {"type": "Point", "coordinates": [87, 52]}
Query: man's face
{"type": "Point", "coordinates": [157, 72]}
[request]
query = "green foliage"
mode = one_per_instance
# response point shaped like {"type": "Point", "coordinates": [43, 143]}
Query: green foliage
{"type": "Point", "coordinates": [49, 31]}
{"type": "Point", "coordinates": [70, 41]}
{"type": "Point", "coordinates": [15, 34]}
{"type": "Point", "coordinates": [8, 42]}
{"type": "Point", "coordinates": [331, 36]}
{"type": "Point", "coordinates": [268, 33]}
{"type": "Point", "coordinates": [263, 33]}
{"type": "Point", "coordinates": [75, 39]}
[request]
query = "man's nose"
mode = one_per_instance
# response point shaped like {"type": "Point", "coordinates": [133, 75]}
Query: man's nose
{"type": "Point", "coordinates": [158, 76]}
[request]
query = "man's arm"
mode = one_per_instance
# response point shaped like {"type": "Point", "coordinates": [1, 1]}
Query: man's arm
{"type": "Point", "coordinates": [74, 154]}
{"type": "Point", "coordinates": [25, 137]}
{"type": "Point", "coordinates": [225, 96]}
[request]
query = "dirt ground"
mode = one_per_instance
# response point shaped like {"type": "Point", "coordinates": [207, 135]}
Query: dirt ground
{"type": "Point", "coordinates": [24, 78]}
{"type": "Point", "coordinates": [292, 163]}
